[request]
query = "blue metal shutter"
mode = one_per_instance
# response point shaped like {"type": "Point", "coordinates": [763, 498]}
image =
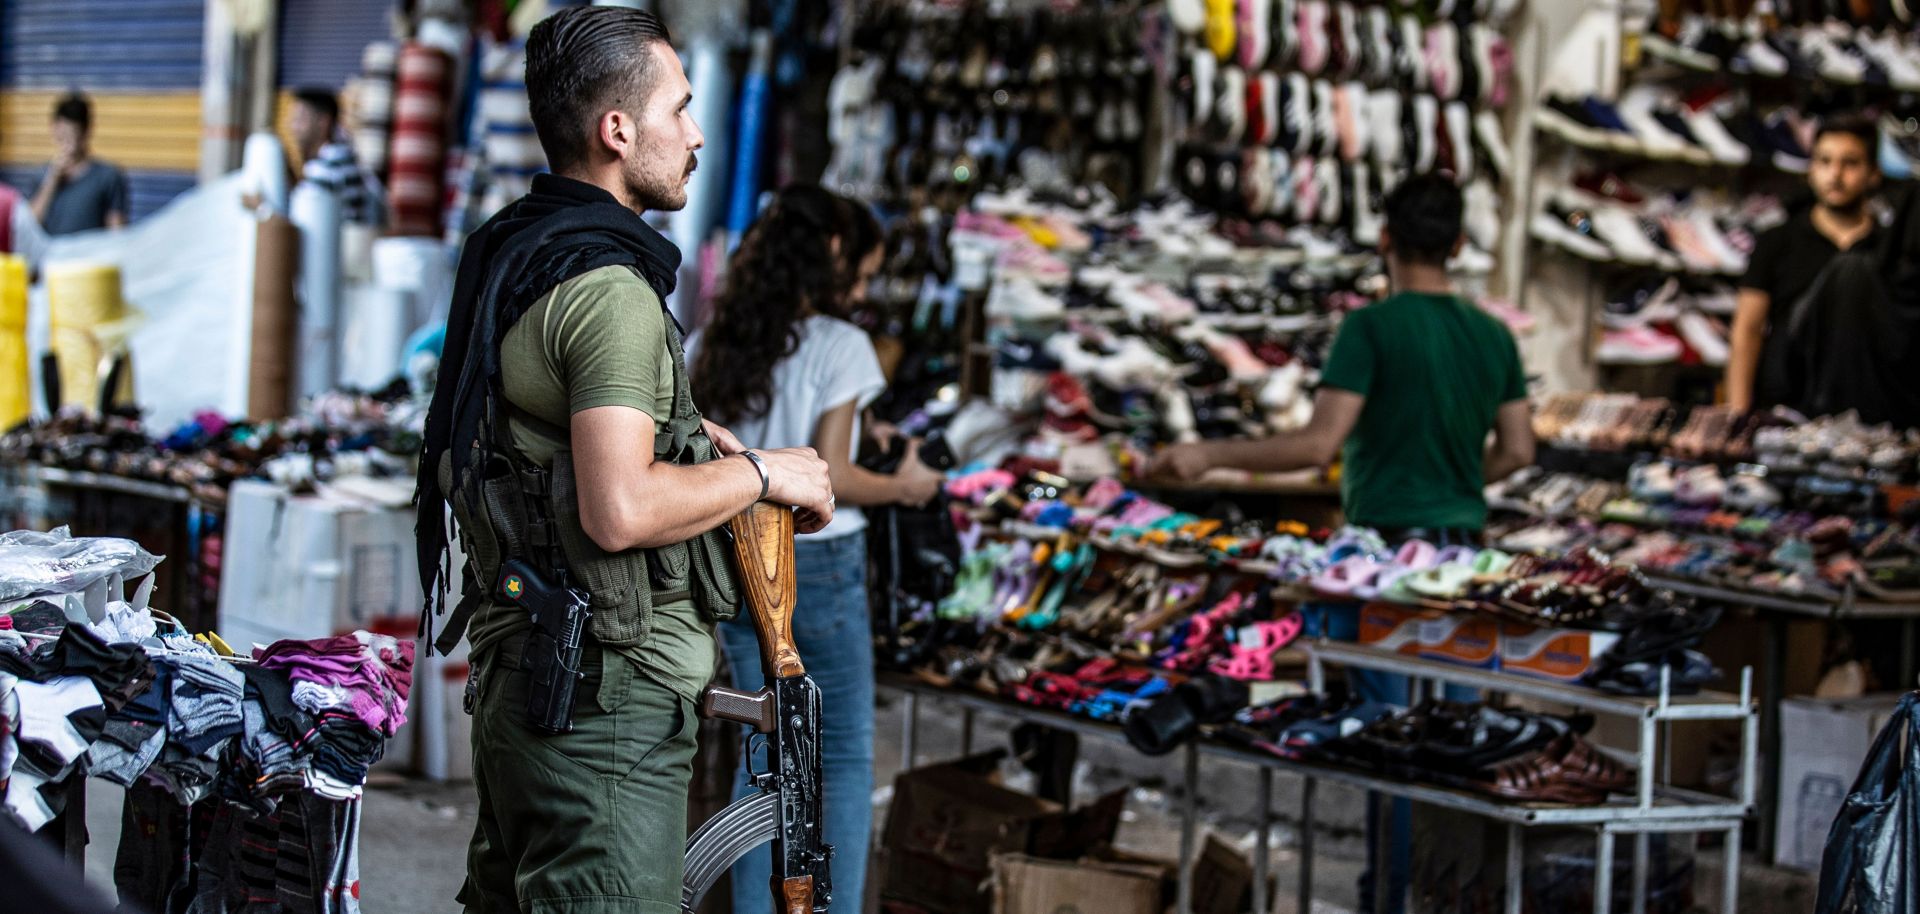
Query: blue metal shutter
{"type": "Point", "coordinates": [321, 40]}
{"type": "Point", "coordinates": [146, 45]}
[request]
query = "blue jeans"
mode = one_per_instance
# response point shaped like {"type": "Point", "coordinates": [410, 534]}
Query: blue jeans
{"type": "Point", "coordinates": [830, 628]}
{"type": "Point", "coordinates": [1341, 622]}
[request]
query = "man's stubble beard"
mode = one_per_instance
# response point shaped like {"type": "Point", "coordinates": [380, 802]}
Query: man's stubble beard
{"type": "Point", "coordinates": [653, 192]}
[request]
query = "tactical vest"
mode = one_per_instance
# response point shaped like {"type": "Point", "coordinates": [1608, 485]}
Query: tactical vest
{"type": "Point", "coordinates": [624, 587]}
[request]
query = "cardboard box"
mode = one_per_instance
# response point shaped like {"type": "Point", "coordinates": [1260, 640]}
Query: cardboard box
{"type": "Point", "coordinates": [948, 821]}
{"type": "Point", "coordinates": [1561, 654]}
{"type": "Point", "coordinates": [312, 567]}
{"type": "Point", "coordinates": [1462, 638]}
{"type": "Point", "coordinates": [1033, 885]}
{"type": "Point", "coordinates": [1222, 876]}
{"type": "Point", "coordinates": [1823, 744]}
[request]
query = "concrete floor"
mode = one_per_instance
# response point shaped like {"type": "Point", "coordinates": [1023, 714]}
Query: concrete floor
{"type": "Point", "coordinates": [414, 832]}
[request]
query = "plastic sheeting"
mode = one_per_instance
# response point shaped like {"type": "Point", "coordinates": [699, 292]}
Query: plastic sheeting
{"type": "Point", "coordinates": [33, 563]}
{"type": "Point", "coordinates": [188, 268]}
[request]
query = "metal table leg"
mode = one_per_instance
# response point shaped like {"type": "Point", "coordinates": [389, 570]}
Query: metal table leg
{"type": "Point", "coordinates": [1307, 788]}
{"type": "Point", "coordinates": [1640, 863]}
{"type": "Point", "coordinates": [1189, 814]}
{"type": "Point", "coordinates": [1772, 689]}
{"type": "Point", "coordinates": [1516, 859]}
{"type": "Point", "coordinates": [1730, 876]}
{"type": "Point", "coordinates": [909, 729]}
{"type": "Point", "coordinates": [1603, 872]}
{"type": "Point", "coordinates": [1262, 849]}
{"type": "Point", "coordinates": [966, 732]}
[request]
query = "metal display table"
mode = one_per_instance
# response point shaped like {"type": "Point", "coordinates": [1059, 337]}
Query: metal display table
{"type": "Point", "coordinates": [1654, 807]}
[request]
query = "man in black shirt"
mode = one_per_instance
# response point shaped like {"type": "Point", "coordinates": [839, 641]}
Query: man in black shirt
{"type": "Point", "coordinates": [1787, 258]}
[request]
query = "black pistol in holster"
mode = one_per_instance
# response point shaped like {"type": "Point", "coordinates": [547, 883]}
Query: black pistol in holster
{"type": "Point", "coordinates": [551, 658]}
{"type": "Point", "coordinates": [787, 809]}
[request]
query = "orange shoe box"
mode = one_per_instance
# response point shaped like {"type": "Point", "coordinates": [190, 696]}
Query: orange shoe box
{"type": "Point", "coordinates": [1561, 654]}
{"type": "Point", "coordinates": [1463, 638]}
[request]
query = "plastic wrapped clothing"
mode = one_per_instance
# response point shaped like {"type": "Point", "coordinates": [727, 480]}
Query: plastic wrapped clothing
{"type": "Point", "coordinates": [57, 562]}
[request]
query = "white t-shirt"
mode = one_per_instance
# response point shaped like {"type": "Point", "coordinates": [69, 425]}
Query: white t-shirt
{"type": "Point", "coordinates": [835, 364]}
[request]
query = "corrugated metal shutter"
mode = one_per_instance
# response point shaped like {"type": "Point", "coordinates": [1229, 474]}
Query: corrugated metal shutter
{"type": "Point", "coordinates": [147, 45]}
{"type": "Point", "coordinates": [321, 40]}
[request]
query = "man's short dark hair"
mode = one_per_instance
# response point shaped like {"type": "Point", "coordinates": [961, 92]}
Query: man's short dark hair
{"type": "Point", "coordinates": [1423, 218]}
{"type": "Point", "coordinates": [322, 101]}
{"type": "Point", "coordinates": [1857, 126]}
{"type": "Point", "coordinates": [583, 61]}
{"type": "Point", "coordinates": [74, 108]}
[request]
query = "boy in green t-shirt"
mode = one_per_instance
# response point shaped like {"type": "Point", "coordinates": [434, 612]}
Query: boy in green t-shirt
{"type": "Point", "coordinates": [1412, 388]}
{"type": "Point", "coordinates": [1413, 385]}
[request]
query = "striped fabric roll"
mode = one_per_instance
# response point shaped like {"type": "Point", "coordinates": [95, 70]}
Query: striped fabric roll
{"type": "Point", "coordinates": [417, 168]}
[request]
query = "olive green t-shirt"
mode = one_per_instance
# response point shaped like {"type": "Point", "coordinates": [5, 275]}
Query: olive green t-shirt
{"type": "Point", "coordinates": [1434, 369]}
{"type": "Point", "coordinates": [598, 339]}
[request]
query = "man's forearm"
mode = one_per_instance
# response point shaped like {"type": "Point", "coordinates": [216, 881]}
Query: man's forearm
{"type": "Point", "coordinates": [1501, 463]}
{"type": "Point", "coordinates": [43, 197]}
{"type": "Point", "coordinates": [1277, 454]}
{"type": "Point", "coordinates": [1743, 364]}
{"type": "Point", "coordinates": [674, 503]}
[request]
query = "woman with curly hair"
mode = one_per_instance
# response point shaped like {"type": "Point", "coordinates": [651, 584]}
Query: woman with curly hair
{"type": "Point", "coordinates": [781, 366]}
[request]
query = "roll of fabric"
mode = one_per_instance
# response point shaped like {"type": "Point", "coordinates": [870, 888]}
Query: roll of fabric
{"type": "Point", "coordinates": [318, 213]}
{"type": "Point", "coordinates": [417, 164]}
{"type": "Point", "coordinates": [263, 163]}
{"type": "Point", "coordinates": [88, 324]}
{"type": "Point", "coordinates": [276, 261]}
{"type": "Point", "coordinates": [379, 58]}
{"type": "Point", "coordinates": [15, 380]}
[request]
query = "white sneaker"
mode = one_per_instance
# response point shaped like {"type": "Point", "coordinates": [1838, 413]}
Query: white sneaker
{"type": "Point", "coordinates": [1332, 207]}
{"type": "Point", "coordinates": [1460, 136]}
{"type": "Point", "coordinates": [1621, 232]}
{"type": "Point", "coordinates": [1231, 106]}
{"type": "Point", "coordinates": [1426, 122]}
{"type": "Point", "coordinates": [1379, 28]}
{"type": "Point", "coordinates": [1637, 346]}
{"type": "Point", "coordinates": [1827, 57]}
{"type": "Point", "coordinates": [1256, 42]}
{"type": "Point", "coordinates": [1299, 112]}
{"type": "Point", "coordinates": [1493, 142]}
{"type": "Point", "coordinates": [1383, 122]}
{"type": "Point", "coordinates": [1713, 135]}
{"type": "Point", "coordinates": [1326, 131]}
{"type": "Point", "coordinates": [1707, 339]}
{"type": "Point", "coordinates": [1189, 16]}
{"type": "Point", "coordinates": [1731, 262]}
{"type": "Point", "coordinates": [1413, 56]}
{"type": "Point", "coordinates": [1552, 230]}
{"type": "Point", "coordinates": [1481, 214]}
{"type": "Point", "coordinates": [1760, 57]}
{"type": "Point", "coordinates": [1471, 261]}
{"type": "Point", "coordinates": [1636, 109]}
{"type": "Point", "coordinates": [1367, 219]}
{"type": "Point", "coordinates": [1682, 50]}
{"type": "Point", "coordinates": [1887, 51]}
{"type": "Point", "coordinates": [1357, 107]}
{"type": "Point", "coordinates": [1205, 70]}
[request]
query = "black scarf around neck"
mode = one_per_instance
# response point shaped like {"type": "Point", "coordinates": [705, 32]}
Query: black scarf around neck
{"type": "Point", "coordinates": [561, 229]}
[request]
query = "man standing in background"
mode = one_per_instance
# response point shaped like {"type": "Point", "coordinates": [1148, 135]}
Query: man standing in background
{"type": "Point", "coordinates": [329, 161]}
{"type": "Point", "coordinates": [78, 193]}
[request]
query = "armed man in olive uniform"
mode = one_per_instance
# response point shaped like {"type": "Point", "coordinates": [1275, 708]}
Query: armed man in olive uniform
{"type": "Point", "coordinates": [587, 490]}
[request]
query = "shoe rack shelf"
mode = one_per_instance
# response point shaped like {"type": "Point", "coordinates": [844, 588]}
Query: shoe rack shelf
{"type": "Point", "coordinates": [1653, 809]}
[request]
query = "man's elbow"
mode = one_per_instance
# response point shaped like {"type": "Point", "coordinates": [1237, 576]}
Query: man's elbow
{"type": "Point", "coordinates": [612, 528]}
{"type": "Point", "coordinates": [1519, 453]}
